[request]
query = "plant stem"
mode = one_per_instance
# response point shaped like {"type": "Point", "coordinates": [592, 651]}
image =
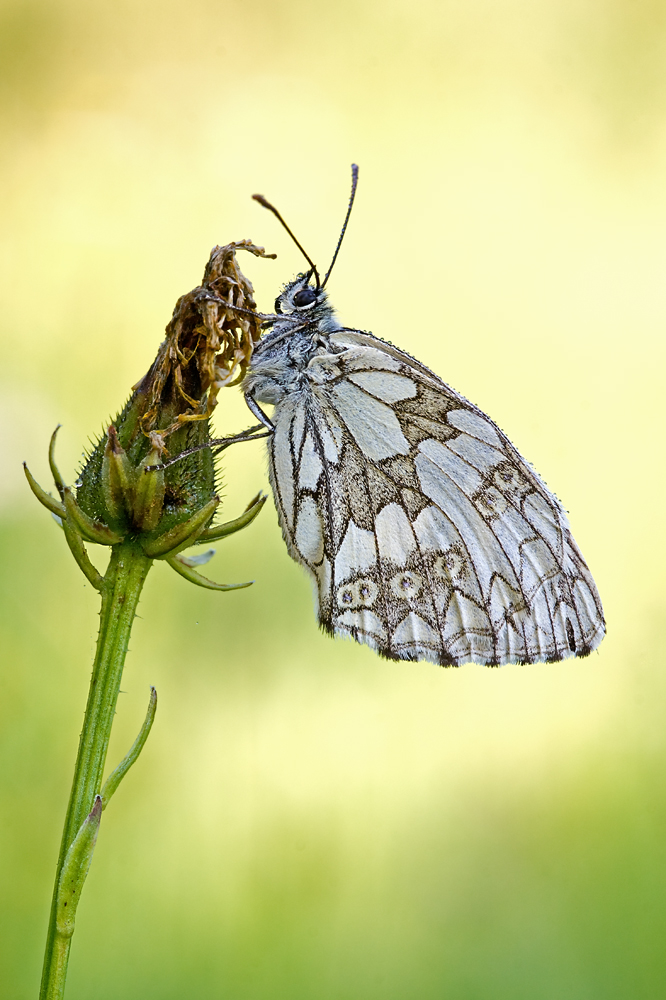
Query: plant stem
{"type": "Point", "coordinates": [123, 581]}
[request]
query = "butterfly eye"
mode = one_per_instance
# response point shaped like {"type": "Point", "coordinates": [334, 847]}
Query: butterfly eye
{"type": "Point", "coordinates": [304, 297]}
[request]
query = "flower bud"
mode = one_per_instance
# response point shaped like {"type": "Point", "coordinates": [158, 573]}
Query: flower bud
{"type": "Point", "coordinates": [207, 345]}
{"type": "Point", "coordinates": [151, 479]}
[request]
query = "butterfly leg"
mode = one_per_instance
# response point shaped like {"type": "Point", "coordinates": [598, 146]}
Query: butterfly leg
{"type": "Point", "coordinates": [254, 408]}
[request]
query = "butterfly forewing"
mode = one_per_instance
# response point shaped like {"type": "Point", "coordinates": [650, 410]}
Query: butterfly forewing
{"type": "Point", "coordinates": [427, 535]}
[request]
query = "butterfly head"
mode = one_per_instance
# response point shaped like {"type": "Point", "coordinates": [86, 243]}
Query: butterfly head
{"type": "Point", "coordinates": [302, 304]}
{"type": "Point", "coordinates": [300, 297]}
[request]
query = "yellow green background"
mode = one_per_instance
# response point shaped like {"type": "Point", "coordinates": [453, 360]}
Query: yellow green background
{"type": "Point", "coordinates": [308, 821]}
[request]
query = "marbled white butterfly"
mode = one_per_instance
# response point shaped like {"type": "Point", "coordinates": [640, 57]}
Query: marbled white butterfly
{"type": "Point", "coordinates": [426, 533]}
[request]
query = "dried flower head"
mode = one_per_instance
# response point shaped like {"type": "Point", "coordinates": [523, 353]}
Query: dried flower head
{"type": "Point", "coordinates": [208, 345]}
{"type": "Point", "coordinates": [125, 488]}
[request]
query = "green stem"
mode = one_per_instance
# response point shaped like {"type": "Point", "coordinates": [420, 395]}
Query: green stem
{"type": "Point", "coordinates": [123, 581]}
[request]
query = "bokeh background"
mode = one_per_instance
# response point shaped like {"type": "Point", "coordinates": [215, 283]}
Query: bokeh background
{"type": "Point", "coordinates": [307, 820]}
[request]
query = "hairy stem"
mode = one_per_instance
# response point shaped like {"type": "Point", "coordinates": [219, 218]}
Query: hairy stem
{"type": "Point", "coordinates": [121, 589]}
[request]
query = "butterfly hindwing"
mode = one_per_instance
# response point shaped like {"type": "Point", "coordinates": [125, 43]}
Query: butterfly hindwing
{"type": "Point", "coordinates": [427, 535]}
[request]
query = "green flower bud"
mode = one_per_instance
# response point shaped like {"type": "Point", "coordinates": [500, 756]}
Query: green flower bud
{"type": "Point", "coordinates": [151, 477]}
{"type": "Point", "coordinates": [208, 345]}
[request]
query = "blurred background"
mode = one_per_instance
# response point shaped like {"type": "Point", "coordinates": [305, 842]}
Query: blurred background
{"type": "Point", "coordinates": [307, 820]}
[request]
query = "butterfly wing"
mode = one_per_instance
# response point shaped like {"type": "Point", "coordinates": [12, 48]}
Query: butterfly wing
{"type": "Point", "coordinates": [428, 536]}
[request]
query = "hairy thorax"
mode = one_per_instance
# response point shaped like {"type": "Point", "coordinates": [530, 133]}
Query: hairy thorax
{"type": "Point", "coordinates": [291, 357]}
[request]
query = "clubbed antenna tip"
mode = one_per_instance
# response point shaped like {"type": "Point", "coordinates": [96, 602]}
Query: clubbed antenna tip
{"type": "Point", "coordinates": [354, 170]}
{"type": "Point", "coordinates": [271, 208]}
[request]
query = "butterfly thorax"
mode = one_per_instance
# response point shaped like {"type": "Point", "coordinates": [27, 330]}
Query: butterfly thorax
{"type": "Point", "coordinates": [300, 331]}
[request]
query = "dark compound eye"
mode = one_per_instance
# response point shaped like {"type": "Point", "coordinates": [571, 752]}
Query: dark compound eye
{"type": "Point", "coordinates": [304, 297]}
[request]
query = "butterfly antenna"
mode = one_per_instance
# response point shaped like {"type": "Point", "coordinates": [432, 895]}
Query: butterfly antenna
{"type": "Point", "coordinates": [344, 227]}
{"type": "Point", "coordinates": [271, 208]}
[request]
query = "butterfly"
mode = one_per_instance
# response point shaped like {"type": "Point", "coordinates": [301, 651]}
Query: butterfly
{"type": "Point", "coordinates": [427, 535]}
